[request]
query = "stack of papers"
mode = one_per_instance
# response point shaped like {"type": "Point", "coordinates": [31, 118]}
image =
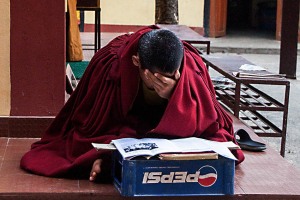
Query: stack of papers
{"type": "Point", "coordinates": [257, 72]}
{"type": "Point", "coordinates": [257, 75]}
{"type": "Point", "coordinates": [249, 67]}
{"type": "Point", "coordinates": [132, 147]}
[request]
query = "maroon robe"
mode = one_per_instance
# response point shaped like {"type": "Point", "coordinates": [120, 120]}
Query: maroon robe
{"type": "Point", "coordinates": [99, 110]}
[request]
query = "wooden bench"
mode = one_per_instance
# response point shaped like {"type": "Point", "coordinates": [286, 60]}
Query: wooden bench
{"type": "Point", "coordinates": [249, 103]}
{"type": "Point", "coordinates": [263, 175]}
{"type": "Point", "coordinates": [187, 34]}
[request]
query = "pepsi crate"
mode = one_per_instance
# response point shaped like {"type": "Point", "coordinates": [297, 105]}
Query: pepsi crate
{"type": "Point", "coordinates": [142, 177]}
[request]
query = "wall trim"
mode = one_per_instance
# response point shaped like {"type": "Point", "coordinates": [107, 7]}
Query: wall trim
{"type": "Point", "coordinates": [24, 126]}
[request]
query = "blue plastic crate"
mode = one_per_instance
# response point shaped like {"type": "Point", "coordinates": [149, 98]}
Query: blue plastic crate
{"type": "Point", "coordinates": [173, 178]}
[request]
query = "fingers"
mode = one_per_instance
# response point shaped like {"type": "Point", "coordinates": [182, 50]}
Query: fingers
{"type": "Point", "coordinates": [163, 85]}
{"type": "Point", "coordinates": [149, 75]}
{"type": "Point", "coordinates": [156, 78]}
{"type": "Point", "coordinates": [177, 75]}
{"type": "Point", "coordinates": [163, 79]}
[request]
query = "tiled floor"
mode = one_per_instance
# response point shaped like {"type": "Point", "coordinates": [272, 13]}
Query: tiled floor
{"type": "Point", "coordinates": [18, 184]}
{"type": "Point", "coordinates": [255, 178]}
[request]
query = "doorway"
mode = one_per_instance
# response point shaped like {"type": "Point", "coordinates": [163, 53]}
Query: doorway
{"type": "Point", "coordinates": [251, 17]}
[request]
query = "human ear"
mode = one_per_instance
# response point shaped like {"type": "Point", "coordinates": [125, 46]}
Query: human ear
{"type": "Point", "coordinates": [136, 60]}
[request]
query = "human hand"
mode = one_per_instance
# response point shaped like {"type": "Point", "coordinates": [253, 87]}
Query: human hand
{"type": "Point", "coordinates": [163, 84]}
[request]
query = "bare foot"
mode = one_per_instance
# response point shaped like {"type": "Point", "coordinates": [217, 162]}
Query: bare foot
{"type": "Point", "coordinates": [96, 169]}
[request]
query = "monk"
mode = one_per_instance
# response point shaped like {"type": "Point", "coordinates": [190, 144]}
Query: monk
{"type": "Point", "coordinates": [146, 84]}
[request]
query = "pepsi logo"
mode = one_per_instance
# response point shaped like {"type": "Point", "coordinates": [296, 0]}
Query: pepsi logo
{"type": "Point", "coordinates": [207, 176]}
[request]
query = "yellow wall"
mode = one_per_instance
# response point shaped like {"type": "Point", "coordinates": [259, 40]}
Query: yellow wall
{"type": "Point", "coordinates": [191, 12]}
{"type": "Point", "coordinates": [132, 12]}
{"type": "Point", "coordinates": [142, 12]}
{"type": "Point", "coordinates": [5, 58]}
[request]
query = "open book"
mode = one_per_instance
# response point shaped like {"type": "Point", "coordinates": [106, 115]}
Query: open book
{"type": "Point", "coordinates": [132, 147]}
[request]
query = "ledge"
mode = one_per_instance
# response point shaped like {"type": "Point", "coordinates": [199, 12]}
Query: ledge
{"type": "Point", "coordinates": [24, 126]}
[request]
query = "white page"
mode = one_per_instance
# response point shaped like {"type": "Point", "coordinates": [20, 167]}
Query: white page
{"type": "Point", "coordinates": [104, 146]}
{"type": "Point", "coordinates": [250, 67]}
{"type": "Point", "coordinates": [131, 147]}
{"type": "Point", "coordinates": [221, 149]}
{"type": "Point", "coordinates": [194, 144]}
{"type": "Point", "coordinates": [191, 144]}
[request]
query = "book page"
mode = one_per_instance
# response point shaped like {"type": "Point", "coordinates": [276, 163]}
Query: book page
{"type": "Point", "coordinates": [193, 144]}
{"type": "Point", "coordinates": [104, 146]}
{"type": "Point", "coordinates": [131, 147]}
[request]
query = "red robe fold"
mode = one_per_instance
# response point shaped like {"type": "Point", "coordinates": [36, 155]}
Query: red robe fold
{"type": "Point", "coordinates": [99, 109]}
